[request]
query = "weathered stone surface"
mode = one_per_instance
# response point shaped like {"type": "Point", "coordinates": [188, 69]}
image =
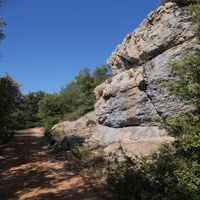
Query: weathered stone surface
{"type": "Point", "coordinates": [164, 28]}
{"type": "Point", "coordinates": [104, 136]}
{"type": "Point", "coordinates": [130, 139]}
{"type": "Point", "coordinates": [133, 97]}
{"type": "Point", "coordinates": [81, 127]}
{"type": "Point", "coordinates": [142, 147]}
{"type": "Point", "coordinates": [123, 101]}
{"type": "Point", "coordinates": [134, 141]}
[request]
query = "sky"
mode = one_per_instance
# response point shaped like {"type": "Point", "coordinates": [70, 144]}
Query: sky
{"type": "Point", "coordinates": [49, 41]}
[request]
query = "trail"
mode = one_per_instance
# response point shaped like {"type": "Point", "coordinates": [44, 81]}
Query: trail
{"type": "Point", "coordinates": [28, 171]}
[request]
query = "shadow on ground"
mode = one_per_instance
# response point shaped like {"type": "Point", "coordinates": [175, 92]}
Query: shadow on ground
{"type": "Point", "coordinates": [29, 171]}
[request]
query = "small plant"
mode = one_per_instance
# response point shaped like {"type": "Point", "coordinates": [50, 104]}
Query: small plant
{"type": "Point", "coordinates": [156, 119]}
{"type": "Point", "coordinates": [82, 153]}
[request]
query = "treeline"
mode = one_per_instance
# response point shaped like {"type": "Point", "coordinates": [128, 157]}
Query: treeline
{"type": "Point", "coordinates": [35, 109]}
{"type": "Point", "coordinates": [172, 173]}
{"type": "Point", "coordinates": [74, 100]}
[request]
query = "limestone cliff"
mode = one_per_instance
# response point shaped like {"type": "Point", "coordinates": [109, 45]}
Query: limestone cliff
{"type": "Point", "coordinates": [132, 97]}
{"type": "Point", "coordinates": [129, 100]}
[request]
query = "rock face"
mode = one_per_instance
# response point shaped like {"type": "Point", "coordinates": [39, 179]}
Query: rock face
{"type": "Point", "coordinates": [128, 102]}
{"type": "Point", "coordinates": [127, 134]}
{"type": "Point", "coordinates": [132, 97]}
{"type": "Point", "coordinates": [163, 29]}
{"type": "Point", "coordinates": [133, 140]}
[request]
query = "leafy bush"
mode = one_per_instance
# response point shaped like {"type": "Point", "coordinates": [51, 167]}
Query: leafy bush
{"type": "Point", "coordinates": [82, 153]}
{"type": "Point", "coordinates": [187, 87]}
{"type": "Point", "coordinates": [51, 110]}
{"type": "Point", "coordinates": [162, 176]}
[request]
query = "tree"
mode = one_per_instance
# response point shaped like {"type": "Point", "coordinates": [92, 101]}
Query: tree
{"type": "Point", "coordinates": [27, 111]}
{"type": "Point", "coordinates": [10, 97]}
{"type": "Point", "coordinates": [74, 100]}
{"type": "Point", "coordinates": [78, 96]}
{"type": "Point", "coordinates": [100, 74]}
{"type": "Point", "coordinates": [51, 110]}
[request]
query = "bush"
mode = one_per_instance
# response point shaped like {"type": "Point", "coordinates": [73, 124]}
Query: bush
{"type": "Point", "coordinates": [162, 176]}
{"type": "Point", "coordinates": [51, 110]}
{"type": "Point", "coordinates": [82, 153]}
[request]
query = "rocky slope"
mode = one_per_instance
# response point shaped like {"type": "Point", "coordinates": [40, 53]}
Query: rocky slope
{"type": "Point", "coordinates": [128, 102]}
{"type": "Point", "coordinates": [133, 96]}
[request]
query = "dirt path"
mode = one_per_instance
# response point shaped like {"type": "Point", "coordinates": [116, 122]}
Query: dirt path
{"type": "Point", "coordinates": [29, 172]}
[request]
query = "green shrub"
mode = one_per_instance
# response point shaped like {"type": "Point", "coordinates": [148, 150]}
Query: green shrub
{"type": "Point", "coordinates": [82, 153]}
{"type": "Point", "coordinates": [156, 119]}
{"type": "Point", "coordinates": [162, 176]}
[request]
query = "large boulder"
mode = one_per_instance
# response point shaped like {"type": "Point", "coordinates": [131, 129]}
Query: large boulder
{"type": "Point", "coordinates": [134, 141]}
{"type": "Point", "coordinates": [133, 96]}
{"type": "Point", "coordinates": [82, 127]}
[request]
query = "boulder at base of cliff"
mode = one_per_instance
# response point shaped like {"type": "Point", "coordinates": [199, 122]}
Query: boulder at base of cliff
{"type": "Point", "coordinates": [131, 139]}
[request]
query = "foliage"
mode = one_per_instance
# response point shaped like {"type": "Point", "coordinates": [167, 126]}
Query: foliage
{"type": "Point", "coordinates": [180, 2]}
{"type": "Point", "coordinates": [74, 100]}
{"type": "Point", "coordinates": [194, 10]}
{"type": "Point", "coordinates": [163, 176]}
{"type": "Point", "coordinates": [187, 87]}
{"type": "Point", "coordinates": [27, 111]}
{"type": "Point", "coordinates": [78, 96]}
{"type": "Point", "coordinates": [9, 99]}
{"type": "Point", "coordinates": [51, 110]}
{"type": "Point", "coordinates": [82, 153]}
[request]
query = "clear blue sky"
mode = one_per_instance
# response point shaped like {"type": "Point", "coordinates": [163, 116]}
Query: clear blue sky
{"type": "Point", "coordinates": [49, 41]}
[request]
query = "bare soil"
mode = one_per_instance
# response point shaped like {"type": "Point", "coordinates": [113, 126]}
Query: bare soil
{"type": "Point", "coordinates": [29, 171]}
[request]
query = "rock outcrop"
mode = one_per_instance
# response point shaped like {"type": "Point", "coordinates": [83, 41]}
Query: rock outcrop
{"type": "Point", "coordinates": [128, 103]}
{"type": "Point", "coordinates": [163, 29]}
{"type": "Point", "coordinates": [133, 96]}
{"type": "Point", "coordinates": [133, 140]}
